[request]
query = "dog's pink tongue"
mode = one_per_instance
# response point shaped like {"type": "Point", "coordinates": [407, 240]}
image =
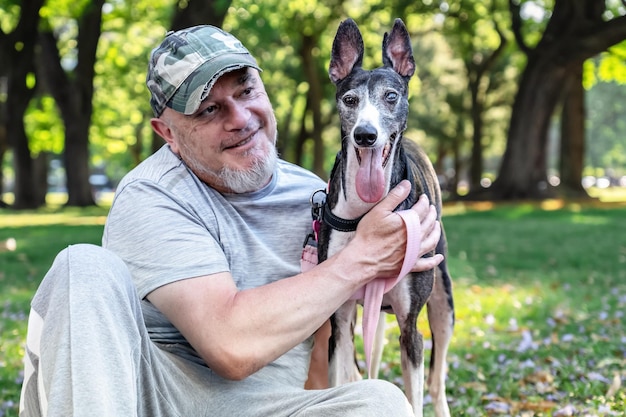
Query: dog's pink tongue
{"type": "Point", "coordinates": [370, 178]}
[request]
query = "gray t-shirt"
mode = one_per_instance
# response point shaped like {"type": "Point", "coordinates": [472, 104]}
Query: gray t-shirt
{"type": "Point", "coordinates": [167, 225]}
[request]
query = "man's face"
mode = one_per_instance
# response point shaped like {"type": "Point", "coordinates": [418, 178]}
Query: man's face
{"type": "Point", "coordinates": [229, 143]}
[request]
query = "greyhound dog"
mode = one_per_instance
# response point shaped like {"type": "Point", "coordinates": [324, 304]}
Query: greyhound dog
{"type": "Point", "coordinates": [373, 109]}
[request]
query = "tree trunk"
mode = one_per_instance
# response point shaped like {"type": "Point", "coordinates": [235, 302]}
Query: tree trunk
{"type": "Point", "coordinates": [19, 94]}
{"type": "Point", "coordinates": [40, 175]}
{"type": "Point", "coordinates": [315, 100]}
{"type": "Point", "coordinates": [572, 150]}
{"type": "Point", "coordinates": [198, 12]}
{"type": "Point", "coordinates": [476, 161]}
{"type": "Point", "coordinates": [302, 136]}
{"type": "Point", "coordinates": [287, 149]}
{"type": "Point", "coordinates": [523, 168]}
{"type": "Point", "coordinates": [575, 32]}
{"type": "Point", "coordinates": [73, 95]}
{"type": "Point", "coordinates": [3, 150]}
{"type": "Point", "coordinates": [76, 158]}
{"type": "Point", "coordinates": [4, 140]}
{"type": "Point", "coordinates": [25, 193]}
{"type": "Point", "coordinates": [478, 74]}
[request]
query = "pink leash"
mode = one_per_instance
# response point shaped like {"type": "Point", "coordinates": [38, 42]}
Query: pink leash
{"type": "Point", "coordinates": [372, 293]}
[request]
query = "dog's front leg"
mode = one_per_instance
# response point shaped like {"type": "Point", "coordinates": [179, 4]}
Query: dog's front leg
{"type": "Point", "coordinates": [407, 301]}
{"type": "Point", "coordinates": [342, 366]}
{"type": "Point", "coordinates": [441, 320]}
{"type": "Point", "coordinates": [413, 367]}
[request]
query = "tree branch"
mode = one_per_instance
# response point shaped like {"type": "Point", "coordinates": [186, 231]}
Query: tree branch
{"type": "Point", "coordinates": [50, 70]}
{"type": "Point", "coordinates": [516, 26]}
{"type": "Point", "coordinates": [603, 36]}
{"type": "Point", "coordinates": [498, 51]}
{"type": "Point", "coordinates": [89, 30]}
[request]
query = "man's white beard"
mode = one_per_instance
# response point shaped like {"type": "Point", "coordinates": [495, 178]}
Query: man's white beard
{"type": "Point", "coordinates": [237, 180]}
{"type": "Point", "coordinates": [253, 179]}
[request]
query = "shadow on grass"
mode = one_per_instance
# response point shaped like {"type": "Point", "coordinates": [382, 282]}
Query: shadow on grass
{"type": "Point", "coordinates": [540, 299]}
{"type": "Point", "coordinates": [539, 295]}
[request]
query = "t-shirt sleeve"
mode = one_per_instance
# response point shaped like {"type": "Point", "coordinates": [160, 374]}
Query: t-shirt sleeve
{"type": "Point", "coordinates": [161, 239]}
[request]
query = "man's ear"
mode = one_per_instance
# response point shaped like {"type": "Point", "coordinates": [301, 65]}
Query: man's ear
{"type": "Point", "coordinates": [162, 129]}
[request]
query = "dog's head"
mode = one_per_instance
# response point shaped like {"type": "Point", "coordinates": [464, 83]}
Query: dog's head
{"type": "Point", "coordinates": [373, 105]}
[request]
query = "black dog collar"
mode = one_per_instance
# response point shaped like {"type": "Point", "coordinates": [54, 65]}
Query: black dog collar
{"type": "Point", "coordinates": [337, 223]}
{"type": "Point", "coordinates": [321, 213]}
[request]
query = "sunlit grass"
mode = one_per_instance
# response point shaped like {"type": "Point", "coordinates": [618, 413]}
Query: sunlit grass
{"type": "Point", "coordinates": [540, 294]}
{"type": "Point", "coordinates": [608, 195]}
{"type": "Point", "coordinates": [540, 301]}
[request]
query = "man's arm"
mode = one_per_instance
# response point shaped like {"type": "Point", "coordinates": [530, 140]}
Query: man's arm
{"type": "Point", "coordinates": [239, 332]}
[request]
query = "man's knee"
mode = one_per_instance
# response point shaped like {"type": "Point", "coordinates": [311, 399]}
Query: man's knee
{"type": "Point", "coordinates": [385, 399]}
{"type": "Point", "coordinates": [88, 259]}
{"type": "Point", "coordinates": [87, 262]}
{"type": "Point", "coordinates": [84, 269]}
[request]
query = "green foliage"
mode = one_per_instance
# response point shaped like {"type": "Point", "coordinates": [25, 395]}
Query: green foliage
{"type": "Point", "coordinates": [606, 128]}
{"type": "Point", "coordinates": [452, 46]}
{"type": "Point", "coordinates": [9, 13]}
{"type": "Point", "coordinates": [120, 134]}
{"type": "Point", "coordinates": [610, 66]}
{"type": "Point", "coordinates": [276, 40]}
{"type": "Point", "coordinates": [449, 40]}
{"type": "Point", "coordinates": [44, 126]}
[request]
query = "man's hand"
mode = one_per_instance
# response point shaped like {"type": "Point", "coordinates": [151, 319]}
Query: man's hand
{"type": "Point", "coordinates": [381, 236]}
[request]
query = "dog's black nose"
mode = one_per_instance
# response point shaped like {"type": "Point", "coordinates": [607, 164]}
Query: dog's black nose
{"type": "Point", "coordinates": [365, 135]}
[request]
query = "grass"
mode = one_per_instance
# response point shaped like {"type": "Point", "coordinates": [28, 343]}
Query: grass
{"type": "Point", "coordinates": [540, 298]}
{"type": "Point", "coordinates": [39, 236]}
{"type": "Point", "coordinates": [540, 294]}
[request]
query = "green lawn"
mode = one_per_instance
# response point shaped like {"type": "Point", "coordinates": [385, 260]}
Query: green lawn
{"type": "Point", "coordinates": [540, 297]}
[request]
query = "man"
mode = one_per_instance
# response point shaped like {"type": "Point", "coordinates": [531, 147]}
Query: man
{"type": "Point", "coordinates": [196, 305]}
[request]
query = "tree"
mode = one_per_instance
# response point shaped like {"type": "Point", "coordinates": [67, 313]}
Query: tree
{"type": "Point", "coordinates": [439, 118]}
{"type": "Point", "coordinates": [606, 129]}
{"type": "Point", "coordinates": [198, 12]}
{"type": "Point", "coordinates": [604, 80]}
{"type": "Point", "coordinates": [572, 149]}
{"type": "Point", "coordinates": [18, 48]}
{"type": "Point", "coordinates": [475, 32]}
{"type": "Point", "coordinates": [73, 89]}
{"type": "Point", "coordinates": [296, 39]}
{"type": "Point", "coordinates": [576, 31]}
{"type": "Point", "coordinates": [73, 93]}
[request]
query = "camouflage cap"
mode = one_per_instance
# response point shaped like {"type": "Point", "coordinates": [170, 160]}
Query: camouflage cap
{"type": "Point", "coordinates": [185, 66]}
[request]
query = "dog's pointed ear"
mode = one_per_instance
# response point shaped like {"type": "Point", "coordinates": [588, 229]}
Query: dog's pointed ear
{"type": "Point", "coordinates": [347, 51]}
{"type": "Point", "coordinates": [397, 50]}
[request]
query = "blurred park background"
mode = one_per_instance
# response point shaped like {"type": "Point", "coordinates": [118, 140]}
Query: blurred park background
{"type": "Point", "coordinates": [512, 99]}
{"type": "Point", "coordinates": [519, 103]}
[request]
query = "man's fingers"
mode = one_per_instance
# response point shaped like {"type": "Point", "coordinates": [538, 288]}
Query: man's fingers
{"type": "Point", "coordinates": [428, 220]}
{"type": "Point", "coordinates": [421, 207]}
{"type": "Point", "coordinates": [426, 264]}
{"type": "Point", "coordinates": [430, 239]}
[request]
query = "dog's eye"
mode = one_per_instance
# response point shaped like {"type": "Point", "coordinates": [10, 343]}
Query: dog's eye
{"type": "Point", "coordinates": [350, 101]}
{"type": "Point", "coordinates": [391, 97]}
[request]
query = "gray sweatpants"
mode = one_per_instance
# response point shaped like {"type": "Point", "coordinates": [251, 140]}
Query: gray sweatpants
{"type": "Point", "coordinates": [89, 354]}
